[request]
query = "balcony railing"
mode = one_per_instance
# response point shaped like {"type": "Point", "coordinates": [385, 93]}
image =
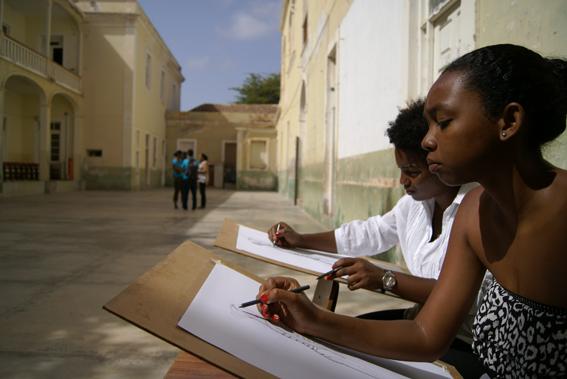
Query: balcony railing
{"type": "Point", "coordinates": [64, 77]}
{"type": "Point", "coordinates": [30, 59]}
{"type": "Point", "coordinates": [23, 56]}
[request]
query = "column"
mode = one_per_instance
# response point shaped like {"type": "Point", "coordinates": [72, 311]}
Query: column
{"type": "Point", "coordinates": [44, 140]}
{"type": "Point", "coordinates": [78, 150]}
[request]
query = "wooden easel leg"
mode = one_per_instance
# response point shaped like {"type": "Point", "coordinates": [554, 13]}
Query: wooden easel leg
{"type": "Point", "coordinates": [326, 294]}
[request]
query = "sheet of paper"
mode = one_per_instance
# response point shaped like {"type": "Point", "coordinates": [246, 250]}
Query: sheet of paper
{"type": "Point", "coordinates": [256, 242]}
{"type": "Point", "coordinates": [214, 316]}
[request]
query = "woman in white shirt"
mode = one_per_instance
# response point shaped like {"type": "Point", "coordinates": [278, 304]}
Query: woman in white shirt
{"type": "Point", "coordinates": [420, 222]}
{"type": "Point", "coordinates": [203, 178]}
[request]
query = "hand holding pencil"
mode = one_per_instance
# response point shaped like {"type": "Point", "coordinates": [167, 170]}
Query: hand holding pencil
{"type": "Point", "coordinates": [283, 235]}
{"type": "Point", "coordinates": [280, 304]}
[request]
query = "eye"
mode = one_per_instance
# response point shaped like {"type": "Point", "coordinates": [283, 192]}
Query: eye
{"type": "Point", "coordinates": [412, 174]}
{"type": "Point", "coordinates": [444, 123]}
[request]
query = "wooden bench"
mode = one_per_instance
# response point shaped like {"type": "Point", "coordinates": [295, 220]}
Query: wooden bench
{"type": "Point", "coordinates": [13, 171]}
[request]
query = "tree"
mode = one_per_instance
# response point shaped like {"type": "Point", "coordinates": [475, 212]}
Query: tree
{"type": "Point", "coordinates": [259, 89]}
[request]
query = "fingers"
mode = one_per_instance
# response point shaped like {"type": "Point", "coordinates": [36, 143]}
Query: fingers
{"type": "Point", "coordinates": [276, 233]}
{"type": "Point", "coordinates": [275, 295]}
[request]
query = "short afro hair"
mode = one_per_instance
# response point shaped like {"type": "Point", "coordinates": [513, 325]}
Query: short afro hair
{"type": "Point", "coordinates": [409, 127]}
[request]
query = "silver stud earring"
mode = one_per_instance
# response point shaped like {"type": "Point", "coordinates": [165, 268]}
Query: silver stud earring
{"type": "Point", "coordinates": [504, 134]}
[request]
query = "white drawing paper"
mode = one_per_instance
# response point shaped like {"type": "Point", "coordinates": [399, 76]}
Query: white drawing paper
{"type": "Point", "coordinates": [256, 242]}
{"type": "Point", "coordinates": [214, 316]}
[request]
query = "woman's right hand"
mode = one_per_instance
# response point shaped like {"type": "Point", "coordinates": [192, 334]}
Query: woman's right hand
{"type": "Point", "coordinates": [294, 310]}
{"type": "Point", "coordinates": [360, 272]}
{"type": "Point", "coordinates": [284, 236]}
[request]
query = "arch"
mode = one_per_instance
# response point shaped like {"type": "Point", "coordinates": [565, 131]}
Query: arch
{"type": "Point", "coordinates": [21, 119]}
{"type": "Point", "coordinates": [72, 101]}
{"type": "Point", "coordinates": [76, 15]}
{"type": "Point", "coordinates": [28, 79]}
{"type": "Point", "coordinates": [65, 39]}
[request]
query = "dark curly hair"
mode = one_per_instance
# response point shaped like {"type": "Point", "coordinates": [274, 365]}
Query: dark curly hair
{"type": "Point", "coordinates": [409, 127]}
{"type": "Point", "coordinates": [506, 73]}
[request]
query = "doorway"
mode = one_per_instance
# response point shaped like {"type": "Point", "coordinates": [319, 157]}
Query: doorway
{"type": "Point", "coordinates": [229, 165]}
{"type": "Point", "coordinates": [56, 153]}
{"type": "Point", "coordinates": [56, 49]}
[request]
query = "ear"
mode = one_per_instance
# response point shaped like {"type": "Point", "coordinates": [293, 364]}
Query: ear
{"type": "Point", "coordinates": [509, 124]}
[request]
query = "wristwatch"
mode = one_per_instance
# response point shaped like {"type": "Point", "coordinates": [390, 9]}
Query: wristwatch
{"type": "Point", "coordinates": [388, 281]}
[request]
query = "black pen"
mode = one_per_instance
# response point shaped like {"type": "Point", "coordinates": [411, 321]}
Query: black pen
{"type": "Point", "coordinates": [258, 301]}
{"type": "Point", "coordinates": [332, 272]}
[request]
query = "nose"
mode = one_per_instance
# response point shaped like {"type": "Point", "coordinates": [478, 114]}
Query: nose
{"type": "Point", "coordinates": [428, 142]}
{"type": "Point", "coordinates": [404, 180]}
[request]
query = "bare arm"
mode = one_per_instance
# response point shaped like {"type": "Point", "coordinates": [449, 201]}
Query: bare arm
{"type": "Point", "coordinates": [363, 274]}
{"type": "Point", "coordinates": [286, 236]}
{"type": "Point", "coordinates": [425, 338]}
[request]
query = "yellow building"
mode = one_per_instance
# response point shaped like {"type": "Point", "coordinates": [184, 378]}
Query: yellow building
{"type": "Point", "coordinates": [84, 87]}
{"type": "Point", "coordinates": [349, 65]}
{"type": "Point", "coordinates": [239, 140]}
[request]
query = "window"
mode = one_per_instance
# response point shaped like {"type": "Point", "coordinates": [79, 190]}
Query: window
{"type": "Point", "coordinates": [258, 155]}
{"type": "Point", "coordinates": [94, 153]}
{"type": "Point", "coordinates": [148, 70]}
{"type": "Point", "coordinates": [162, 85]}
{"type": "Point", "coordinates": [173, 100]}
{"type": "Point", "coordinates": [6, 29]}
{"type": "Point", "coordinates": [185, 144]}
{"type": "Point", "coordinates": [305, 32]}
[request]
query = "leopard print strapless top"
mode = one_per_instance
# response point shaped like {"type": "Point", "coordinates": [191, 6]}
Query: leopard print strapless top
{"type": "Point", "coordinates": [519, 338]}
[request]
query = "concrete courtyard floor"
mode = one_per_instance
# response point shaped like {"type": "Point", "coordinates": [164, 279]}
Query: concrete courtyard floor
{"type": "Point", "coordinates": [63, 256]}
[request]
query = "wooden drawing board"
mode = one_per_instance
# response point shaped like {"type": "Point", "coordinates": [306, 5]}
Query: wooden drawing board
{"type": "Point", "coordinates": [228, 235]}
{"type": "Point", "coordinates": [156, 301]}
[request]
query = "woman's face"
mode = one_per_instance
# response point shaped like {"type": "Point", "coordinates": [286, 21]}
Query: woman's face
{"type": "Point", "coordinates": [462, 141]}
{"type": "Point", "coordinates": [418, 182]}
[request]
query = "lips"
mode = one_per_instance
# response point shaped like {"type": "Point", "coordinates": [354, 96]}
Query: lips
{"type": "Point", "coordinates": [433, 166]}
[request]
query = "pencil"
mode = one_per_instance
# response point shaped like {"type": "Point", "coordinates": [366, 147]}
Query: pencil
{"type": "Point", "coordinates": [258, 301]}
{"type": "Point", "coordinates": [277, 230]}
{"type": "Point", "coordinates": [332, 272]}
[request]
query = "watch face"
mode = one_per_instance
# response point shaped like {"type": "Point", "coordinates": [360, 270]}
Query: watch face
{"type": "Point", "coordinates": [389, 281]}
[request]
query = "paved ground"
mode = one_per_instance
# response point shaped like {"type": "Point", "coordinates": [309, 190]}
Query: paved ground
{"type": "Point", "coordinates": [65, 255]}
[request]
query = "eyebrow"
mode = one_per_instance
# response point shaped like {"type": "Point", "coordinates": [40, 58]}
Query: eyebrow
{"type": "Point", "coordinates": [411, 165]}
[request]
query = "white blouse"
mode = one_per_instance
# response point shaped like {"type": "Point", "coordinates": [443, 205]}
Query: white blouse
{"type": "Point", "coordinates": [407, 224]}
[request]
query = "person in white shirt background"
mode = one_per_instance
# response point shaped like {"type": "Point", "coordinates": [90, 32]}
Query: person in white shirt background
{"type": "Point", "coordinates": [420, 223]}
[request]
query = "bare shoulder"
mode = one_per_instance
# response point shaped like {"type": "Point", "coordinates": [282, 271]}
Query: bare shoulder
{"type": "Point", "coordinates": [471, 200]}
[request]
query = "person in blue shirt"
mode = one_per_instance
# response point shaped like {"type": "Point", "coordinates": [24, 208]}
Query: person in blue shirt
{"type": "Point", "coordinates": [191, 168]}
{"type": "Point", "coordinates": [178, 174]}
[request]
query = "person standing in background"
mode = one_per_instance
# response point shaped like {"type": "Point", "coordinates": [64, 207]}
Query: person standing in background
{"type": "Point", "coordinates": [192, 168]}
{"type": "Point", "coordinates": [176, 165]}
{"type": "Point", "coordinates": [203, 178]}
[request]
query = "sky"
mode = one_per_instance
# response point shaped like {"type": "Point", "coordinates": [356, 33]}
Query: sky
{"type": "Point", "coordinates": [218, 43]}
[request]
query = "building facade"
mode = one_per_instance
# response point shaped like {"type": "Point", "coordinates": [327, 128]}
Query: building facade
{"type": "Point", "coordinates": [239, 140]}
{"type": "Point", "coordinates": [349, 65]}
{"type": "Point", "coordinates": [84, 87]}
